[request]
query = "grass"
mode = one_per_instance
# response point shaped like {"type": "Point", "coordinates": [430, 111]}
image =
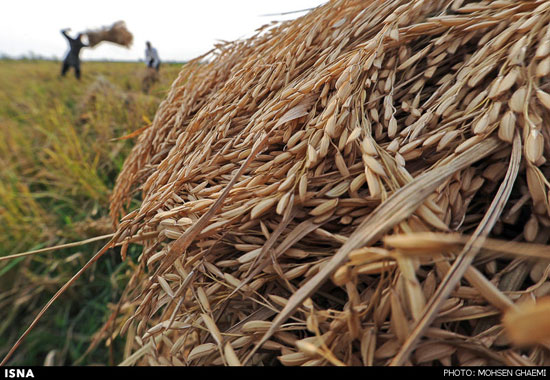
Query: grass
{"type": "Point", "coordinates": [60, 156]}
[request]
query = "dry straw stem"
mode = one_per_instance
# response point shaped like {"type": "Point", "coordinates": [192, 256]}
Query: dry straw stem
{"type": "Point", "coordinates": [57, 247]}
{"type": "Point", "coordinates": [433, 244]}
{"type": "Point", "coordinates": [274, 160]}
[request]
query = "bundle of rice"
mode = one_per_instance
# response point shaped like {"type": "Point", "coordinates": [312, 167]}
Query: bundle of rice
{"type": "Point", "coordinates": [116, 33]}
{"type": "Point", "coordinates": [364, 185]}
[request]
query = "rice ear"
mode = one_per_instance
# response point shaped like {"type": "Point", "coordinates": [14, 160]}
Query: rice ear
{"type": "Point", "coordinates": [402, 204]}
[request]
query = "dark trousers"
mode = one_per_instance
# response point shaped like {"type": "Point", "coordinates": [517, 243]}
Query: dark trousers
{"type": "Point", "coordinates": [66, 66]}
{"type": "Point", "coordinates": [150, 65]}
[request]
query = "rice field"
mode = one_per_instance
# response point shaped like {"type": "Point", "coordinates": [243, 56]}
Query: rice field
{"type": "Point", "coordinates": [364, 185]}
{"type": "Point", "coordinates": [60, 153]}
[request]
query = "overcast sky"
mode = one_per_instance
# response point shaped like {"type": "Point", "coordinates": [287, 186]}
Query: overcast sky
{"type": "Point", "coordinates": [180, 30]}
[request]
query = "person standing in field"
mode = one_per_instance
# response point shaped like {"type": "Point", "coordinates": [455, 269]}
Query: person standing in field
{"type": "Point", "coordinates": [73, 57]}
{"type": "Point", "coordinates": [151, 57]}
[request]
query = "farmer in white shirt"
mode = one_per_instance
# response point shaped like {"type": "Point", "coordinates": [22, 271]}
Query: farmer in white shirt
{"type": "Point", "coordinates": [151, 57]}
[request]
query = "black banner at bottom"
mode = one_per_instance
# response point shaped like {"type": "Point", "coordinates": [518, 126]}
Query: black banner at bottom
{"type": "Point", "coordinates": [153, 373]}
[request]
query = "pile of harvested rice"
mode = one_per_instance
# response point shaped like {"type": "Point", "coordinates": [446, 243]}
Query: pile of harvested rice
{"type": "Point", "coordinates": [364, 185]}
{"type": "Point", "coordinates": [116, 33]}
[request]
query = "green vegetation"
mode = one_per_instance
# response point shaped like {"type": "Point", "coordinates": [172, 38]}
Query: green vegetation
{"type": "Point", "coordinates": [60, 153]}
